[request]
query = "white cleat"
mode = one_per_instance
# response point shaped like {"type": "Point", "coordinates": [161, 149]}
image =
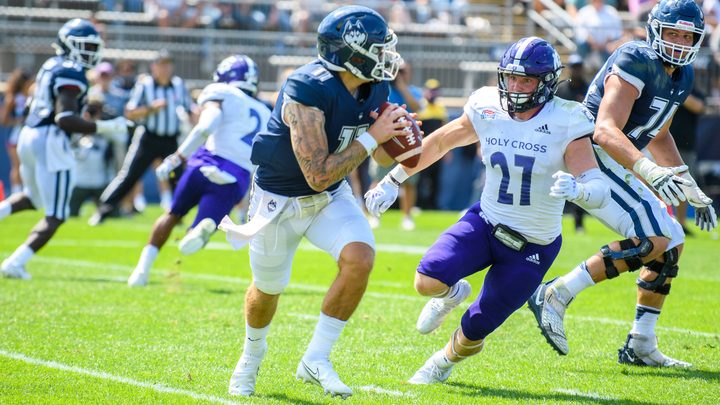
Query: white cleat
{"type": "Point", "coordinates": [430, 373]}
{"type": "Point", "coordinates": [198, 237]}
{"type": "Point", "coordinates": [407, 224]}
{"type": "Point", "coordinates": [321, 373]}
{"type": "Point", "coordinates": [10, 270]}
{"type": "Point", "coordinates": [548, 303]}
{"type": "Point", "coordinates": [139, 277]}
{"type": "Point", "coordinates": [642, 350]}
{"type": "Point", "coordinates": [437, 309]}
{"type": "Point", "coordinates": [243, 378]}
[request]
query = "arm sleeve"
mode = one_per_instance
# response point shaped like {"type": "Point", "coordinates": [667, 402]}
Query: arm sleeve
{"type": "Point", "coordinates": [207, 124]}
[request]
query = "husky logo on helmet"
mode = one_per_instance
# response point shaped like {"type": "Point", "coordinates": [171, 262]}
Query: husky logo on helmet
{"type": "Point", "coordinates": [80, 42]}
{"type": "Point", "coordinates": [354, 33]}
{"type": "Point", "coordinates": [356, 39]}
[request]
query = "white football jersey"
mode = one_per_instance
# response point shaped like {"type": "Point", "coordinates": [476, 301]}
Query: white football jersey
{"type": "Point", "coordinates": [242, 118]}
{"type": "Point", "coordinates": [520, 158]}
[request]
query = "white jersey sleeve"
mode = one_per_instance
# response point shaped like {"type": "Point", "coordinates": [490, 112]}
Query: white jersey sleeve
{"type": "Point", "coordinates": [242, 118]}
{"type": "Point", "coordinates": [520, 158]}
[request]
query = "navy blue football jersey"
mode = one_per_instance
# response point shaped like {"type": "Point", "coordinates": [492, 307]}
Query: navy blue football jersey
{"type": "Point", "coordinates": [55, 73]}
{"type": "Point", "coordinates": [345, 118]}
{"type": "Point", "coordinates": [660, 94]}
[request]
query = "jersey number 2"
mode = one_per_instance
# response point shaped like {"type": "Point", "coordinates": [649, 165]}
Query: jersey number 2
{"type": "Point", "coordinates": [526, 162]}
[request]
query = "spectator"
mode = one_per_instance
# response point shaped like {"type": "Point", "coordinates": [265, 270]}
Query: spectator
{"type": "Point", "coordinates": [433, 115]}
{"type": "Point", "coordinates": [684, 131]}
{"type": "Point", "coordinates": [575, 89]}
{"type": "Point", "coordinates": [16, 96]}
{"type": "Point", "coordinates": [597, 24]}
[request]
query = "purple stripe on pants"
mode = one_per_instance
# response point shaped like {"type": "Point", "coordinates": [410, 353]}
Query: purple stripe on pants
{"type": "Point", "coordinates": [469, 247]}
{"type": "Point", "coordinates": [213, 200]}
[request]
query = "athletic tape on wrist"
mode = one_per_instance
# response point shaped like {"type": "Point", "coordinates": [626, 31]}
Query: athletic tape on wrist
{"type": "Point", "coordinates": [368, 142]}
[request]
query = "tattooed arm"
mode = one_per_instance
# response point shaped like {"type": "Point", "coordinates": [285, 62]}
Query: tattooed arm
{"type": "Point", "coordinates": [309, 141]}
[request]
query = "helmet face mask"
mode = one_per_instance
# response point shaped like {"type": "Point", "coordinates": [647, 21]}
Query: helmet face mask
{"type": "Point", "coordinates": [356, 39]}
{"type": "Point", "coordinates": [681, 15]}
{"type": "Point", "coordinates": [79, 41]}
{"type": "Point", "coordinates": [239, 71]}
{"type": "Point", "coordinates": [531, 57]}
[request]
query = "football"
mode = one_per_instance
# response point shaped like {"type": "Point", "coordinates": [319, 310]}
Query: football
{"type": "Point", "coordinates": [404, 149]}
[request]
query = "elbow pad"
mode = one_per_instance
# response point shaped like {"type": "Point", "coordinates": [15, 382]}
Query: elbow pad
{"type": "Point", "coordinates": [595, 190]}
{"type": "Point", "coordinates": [208, 123]}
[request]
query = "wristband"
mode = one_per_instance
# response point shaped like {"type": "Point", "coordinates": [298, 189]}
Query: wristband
{"type": "Point", "coordinates": [368, 142]}
{"type": "Point", "coordinates": [398, 175]}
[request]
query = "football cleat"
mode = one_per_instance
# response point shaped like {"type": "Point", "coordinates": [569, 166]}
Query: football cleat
{"type": "Point", "coordinates": [245, 375]}
{"type": "Point", "coordinates": [321, 373]}
{"type": "Point", "coordinates": [10, 270]}
{"type": "Point", "coordinates": [139, 277]}
{"type": "Point", "coordinates": [430, 373]}
{"type": "Point", "coordinates": [198, 237]}
{"type": "Point", "coordinates": [407, 224]}
{"type": "Point", "coordinates": [549, 309]}
{"type": "Point", "coordinates": [437, 309]}
{"type": "Point", "coordinates": [642, 350]}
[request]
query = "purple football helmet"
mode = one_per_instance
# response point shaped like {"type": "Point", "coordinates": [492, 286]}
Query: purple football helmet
{"type": "Point", "coordinates": [239, 71]}
{"type": "Point", "coordinates": [534, 57]}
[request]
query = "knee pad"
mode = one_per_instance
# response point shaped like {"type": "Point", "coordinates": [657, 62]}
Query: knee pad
{"type": "Point", "coordinates": [462, 351]}
{"type": "Point", "coordinates": [47, 226]}
{"type": "Point", "coordinates": [629, 252]}
{"type": "Point", "coordinates": [668, 268]}
{"type": "Point", "coordinates": [271, 274]}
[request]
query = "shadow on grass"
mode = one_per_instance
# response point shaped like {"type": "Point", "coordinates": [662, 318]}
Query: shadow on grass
{"type": "Point", "coordinates": [480, 391]}
{"type": "Point", "coordinates": [288, 399]}
{"type": "Point", "coordinates": [707, 375]}
{"type": "Point", "coordinates": [114, 280]}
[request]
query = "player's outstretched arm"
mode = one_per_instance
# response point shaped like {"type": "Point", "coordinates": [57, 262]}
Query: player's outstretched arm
{"type": "Point", "coordinates": [309, 141]}
{"type": "Point", "coordinates": [459, 132]}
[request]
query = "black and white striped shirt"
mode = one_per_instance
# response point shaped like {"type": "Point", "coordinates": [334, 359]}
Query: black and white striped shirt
{"type": "Point", "coordinates": [165, 122]}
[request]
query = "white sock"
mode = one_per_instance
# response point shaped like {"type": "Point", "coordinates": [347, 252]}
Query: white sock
{"type": "Point", "coordinates": [645, 320]}
{"type": "Point", "coordinates": [147, 257]}
{"type": "Point", "coordinates": [21, 255]}
{"type": "Point", "coordinates": [327, 332]}
{"type": "Point", "coordinates": [440, 359]}
{"type": "Point", "coordinates": [255, 340]}
{"type": "Point", "coordinates": [577, 280]}
{"type": "Point", "coordinates": [16, 188]}
{"type": "Point", "coordinates": [5, 209]}
{"type": "Point", "coordinates": [450, 294]}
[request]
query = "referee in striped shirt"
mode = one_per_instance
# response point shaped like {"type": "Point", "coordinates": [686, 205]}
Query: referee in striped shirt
{"type": "Point", "coordinates": [157, 100]}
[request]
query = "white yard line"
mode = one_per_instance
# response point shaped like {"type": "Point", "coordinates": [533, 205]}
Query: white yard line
{"type": "Point", "coordinates": [115, 378]}
{"type": "Point", "coordinates": [590, 395]}
{"type": "Point", "coordinates": [323, 289]}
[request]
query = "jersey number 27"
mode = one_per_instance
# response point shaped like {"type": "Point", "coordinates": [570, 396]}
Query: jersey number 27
{"type": "Point", "coordinates": [526, 162]}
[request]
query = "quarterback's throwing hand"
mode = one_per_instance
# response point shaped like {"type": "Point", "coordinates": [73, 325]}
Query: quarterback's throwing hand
{"type": "Point", "coordinates": [379, 198]}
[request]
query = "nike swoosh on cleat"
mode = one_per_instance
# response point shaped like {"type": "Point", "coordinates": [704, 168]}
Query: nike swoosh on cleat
{"type": "Point", "coordinates": [314, 375]}
{"type": "Point", "coordinates": [539, 297]}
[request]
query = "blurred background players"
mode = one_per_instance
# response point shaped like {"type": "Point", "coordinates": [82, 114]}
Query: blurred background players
{"type": "Point", "coordinates": [217, 152]}
{"type": "Point", "coordinates": [433, 115]}
{"type": "Point", "coordinates": [47, 165]}
{"type": "Point", "coordinates": [13, 115]}
{"type": "Point", "coordinates": [158, 100]}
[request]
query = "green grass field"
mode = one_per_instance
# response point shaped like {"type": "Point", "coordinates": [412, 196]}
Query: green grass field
{"type": "Point", "coordinates": [76, 333]}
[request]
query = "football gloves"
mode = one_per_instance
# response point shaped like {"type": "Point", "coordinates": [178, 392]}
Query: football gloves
{"type": "Point", "coordinates": [379, 198]}
{"type": "Point", "coordinates": [170, 163]}
{"type": "Point", "coordinates": [566, 187]}
{"type": "Point", "coordinates": [664, 180]}
{"type": "Point", "coordinates": [705, 216]}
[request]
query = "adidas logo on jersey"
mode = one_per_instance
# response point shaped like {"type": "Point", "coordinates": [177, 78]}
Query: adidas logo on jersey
{"type": "Point", "coordinates": [534, 258]}
{"type": "Point", "coordinates": [544, 129]}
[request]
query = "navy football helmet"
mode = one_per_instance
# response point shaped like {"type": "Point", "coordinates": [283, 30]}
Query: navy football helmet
{"type": "Point", "coordinates": [80, 42]}
{"type": "Point", "coordinates": [680, 15]}
{"type": "Point", "coordinates": [534, 57]}
{"type": "Point", "coordinates": [357, 39]}
{"type": "Point", "coordinates": [239, 71]}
